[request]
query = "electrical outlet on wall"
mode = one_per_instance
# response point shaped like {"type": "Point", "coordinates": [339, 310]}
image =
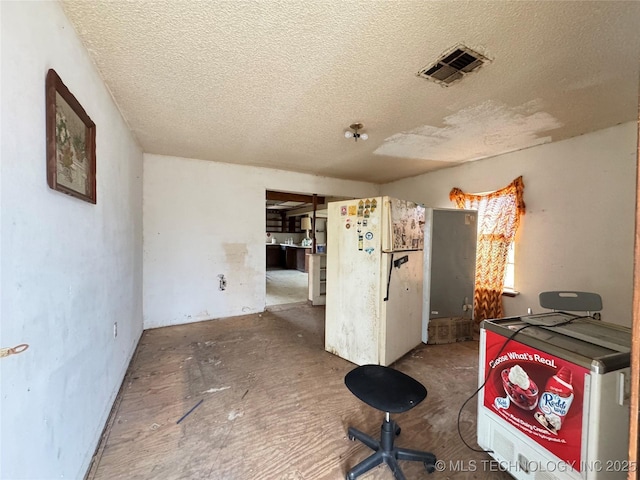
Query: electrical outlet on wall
{"type": "Point", "coordinates": [223, 282]}
{"type": "Point", "coordinates": [115, 329]}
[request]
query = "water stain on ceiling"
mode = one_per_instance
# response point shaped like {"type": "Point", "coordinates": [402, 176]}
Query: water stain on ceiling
{"type": "Point", "coordinates": [476, 132]}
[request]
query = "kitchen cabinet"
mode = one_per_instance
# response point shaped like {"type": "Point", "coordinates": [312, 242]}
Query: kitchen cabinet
{"type": "Point", "coordinates": [275, 256]}
{"type": "Point", "coordinates": [294, 225]}
{"type": "Point", "coordinates": [277, 222]}
{"type": "Point", "coordinates": [291, 256]}
{"type": "Point", "coordinates": [301, 256]}
{"type": "Point", "coordinates": [295, 257]}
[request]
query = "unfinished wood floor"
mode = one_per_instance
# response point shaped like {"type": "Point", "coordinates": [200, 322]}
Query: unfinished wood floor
{"type": "Point", "coordinates": [274, 405]}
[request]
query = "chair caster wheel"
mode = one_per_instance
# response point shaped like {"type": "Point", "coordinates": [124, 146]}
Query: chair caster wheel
{"type": "Point", "coordinates": [353, 439]}
{"type": "Point", "coordinates": [398, 430]}
{"type": "Point", "coordinates": [430, 467]}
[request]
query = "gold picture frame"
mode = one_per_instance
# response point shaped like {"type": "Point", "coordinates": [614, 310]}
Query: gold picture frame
{"type": "Point", "coordinates": [71, 142]}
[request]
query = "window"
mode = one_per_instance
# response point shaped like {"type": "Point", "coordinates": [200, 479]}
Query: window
{"type": "Point", "coordinates": [510, 271]}
{"type": "Point", "coordinates": [498, 218]}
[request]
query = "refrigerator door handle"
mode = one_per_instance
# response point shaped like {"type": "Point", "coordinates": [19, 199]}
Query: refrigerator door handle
{"type": "Point", "coordinates": [402, 260]}
{"type": "Point", "coordinates": [385, 299]}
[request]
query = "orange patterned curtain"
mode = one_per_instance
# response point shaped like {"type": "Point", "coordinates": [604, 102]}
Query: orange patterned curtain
{"type": "Point", "coordinates": [498, 218]}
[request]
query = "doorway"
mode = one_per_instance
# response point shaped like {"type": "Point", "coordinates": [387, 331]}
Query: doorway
{"type": "Point", "coordinates": [289, 235]}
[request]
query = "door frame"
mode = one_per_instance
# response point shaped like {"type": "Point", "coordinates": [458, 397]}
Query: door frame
{"type": "Point", "coordinates": [634, 421]}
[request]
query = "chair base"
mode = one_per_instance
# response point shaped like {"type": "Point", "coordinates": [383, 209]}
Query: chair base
{"type": "Point", "coordinates": [385, 452]}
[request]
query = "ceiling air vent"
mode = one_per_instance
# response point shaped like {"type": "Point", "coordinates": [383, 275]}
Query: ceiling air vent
{"type": "Point", "coordinates": [453, 65]}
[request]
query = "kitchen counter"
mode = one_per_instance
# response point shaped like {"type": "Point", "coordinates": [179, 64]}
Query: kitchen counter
{"type": "Point", "coordinates": [286, 245]}
{"type": "Point", "coordinates": [285, 255]}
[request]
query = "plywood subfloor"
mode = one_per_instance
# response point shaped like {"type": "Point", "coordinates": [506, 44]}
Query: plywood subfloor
{"type": "Point", "coordinates": [274, 405]}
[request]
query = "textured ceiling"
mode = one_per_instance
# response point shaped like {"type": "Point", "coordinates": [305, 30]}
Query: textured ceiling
{"type": "Point", "coordinates": [276, 83]}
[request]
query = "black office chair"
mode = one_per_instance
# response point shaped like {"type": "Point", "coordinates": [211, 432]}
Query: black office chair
{"type": "Point", "coordinates": [390, 391]}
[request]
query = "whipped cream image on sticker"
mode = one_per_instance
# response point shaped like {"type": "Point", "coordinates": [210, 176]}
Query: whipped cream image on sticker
{"type": "Point", "coordinates": [521, 390]}
{"type": "Point", "coordinates": [519, 377]}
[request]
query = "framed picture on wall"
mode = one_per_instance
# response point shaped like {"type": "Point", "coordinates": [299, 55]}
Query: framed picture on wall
{"type": "Point", "coordinates": [71, 143]}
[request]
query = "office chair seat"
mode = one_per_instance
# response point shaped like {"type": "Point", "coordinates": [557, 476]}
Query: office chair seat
{"type": "Point", "coordinates": [389, 391]}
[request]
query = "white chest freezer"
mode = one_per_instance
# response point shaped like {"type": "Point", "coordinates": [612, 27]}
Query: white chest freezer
{"type": "Point", "coordinates": [555, 405]}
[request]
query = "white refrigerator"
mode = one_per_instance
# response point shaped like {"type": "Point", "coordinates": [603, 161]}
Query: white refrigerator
{"type": "Point", "coordinates": [374, 279]}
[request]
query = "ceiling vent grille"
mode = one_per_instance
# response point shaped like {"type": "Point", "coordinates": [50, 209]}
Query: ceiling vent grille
{"type": "Point", "coordinates": [453, 65]}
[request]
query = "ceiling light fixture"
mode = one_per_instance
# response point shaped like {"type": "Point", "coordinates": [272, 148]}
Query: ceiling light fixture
{"type": "Point", "coordinates": [354, 134]}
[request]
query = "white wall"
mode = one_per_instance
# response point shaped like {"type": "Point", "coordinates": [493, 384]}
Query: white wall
{"type": "Point", "coordinates": [70, 269]}
{"type": "Point", "coordinates": [577, 233]}
{"type": "Point", "coordinates": [203, 219]}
